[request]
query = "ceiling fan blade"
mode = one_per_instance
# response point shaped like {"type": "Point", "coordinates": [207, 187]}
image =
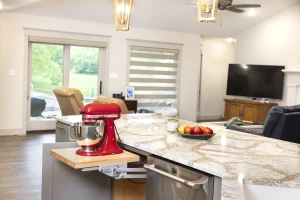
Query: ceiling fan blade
{"type": "Point", "coordinates": [246, 6]}
{"type": "Point", "coordinates": [233, 9]}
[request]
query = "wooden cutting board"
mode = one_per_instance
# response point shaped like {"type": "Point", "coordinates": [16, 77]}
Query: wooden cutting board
{"type": "Point", "coordinates": [69, 157]}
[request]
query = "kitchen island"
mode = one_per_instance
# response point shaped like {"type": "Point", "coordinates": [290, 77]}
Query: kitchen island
{"type": "Point", "coordinates": [237, 158]}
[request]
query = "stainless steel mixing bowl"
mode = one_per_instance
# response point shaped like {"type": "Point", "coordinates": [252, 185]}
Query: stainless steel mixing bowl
{"type": "Point", "coordinates": [87, 135]}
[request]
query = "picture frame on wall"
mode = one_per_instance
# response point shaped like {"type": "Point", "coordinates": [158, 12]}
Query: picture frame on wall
{"type": "Point", "coordinates": [129, 93]}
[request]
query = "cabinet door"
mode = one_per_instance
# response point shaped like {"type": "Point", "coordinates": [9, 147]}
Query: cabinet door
{"type": "Point", "coordinates": [61, 182]}
{"type": "Point", "coordinates": [233, 110]}
{"type": "Point", "coordinates": [250, 113]}
{"type": "Point", "coordinates": [62, 132]}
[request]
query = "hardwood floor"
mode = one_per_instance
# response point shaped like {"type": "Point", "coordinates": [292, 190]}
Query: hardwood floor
{"type": "Point", "coordinates": [21, 165]}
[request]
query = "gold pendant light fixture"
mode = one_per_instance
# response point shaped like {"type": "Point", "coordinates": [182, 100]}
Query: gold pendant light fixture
{"type": "Point", "coordinates": [207, 10]}
{"type": "Point", "coordinates": [122, 14]}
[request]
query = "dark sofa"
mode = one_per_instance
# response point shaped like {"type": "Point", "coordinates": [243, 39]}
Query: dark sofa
{"type": "Point", "coordinates": [283, 123]}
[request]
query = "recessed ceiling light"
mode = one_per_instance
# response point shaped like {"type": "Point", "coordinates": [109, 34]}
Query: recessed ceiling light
{"type": "Point", "coordinates": [230, 40]}
{"type": "Point", "coordinates": [252, 12]}
{"type": "Point", "coordinates": [1, 6]}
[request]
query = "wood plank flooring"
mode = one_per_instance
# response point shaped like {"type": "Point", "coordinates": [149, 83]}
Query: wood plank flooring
{"type": "Point", "coordinates": [21, 165]}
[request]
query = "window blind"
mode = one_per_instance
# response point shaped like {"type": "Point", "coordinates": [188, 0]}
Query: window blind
{"type": "Point", "coordinates": [84, 43]}
{"type": "Point", "coordinates": [153, 74]}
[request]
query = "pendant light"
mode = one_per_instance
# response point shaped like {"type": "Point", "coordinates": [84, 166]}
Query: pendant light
{"type": "Point", "coordinates": [122, 14]}
{"type": "Point", "coordinates": [207, 10]}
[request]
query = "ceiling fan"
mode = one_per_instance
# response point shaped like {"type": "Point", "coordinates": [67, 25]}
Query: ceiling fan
{"type": "Point", "coordinates": [227, 5]}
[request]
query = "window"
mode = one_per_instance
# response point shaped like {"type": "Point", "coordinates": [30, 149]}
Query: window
{"type": "Point", "coordinates": [153, 73]}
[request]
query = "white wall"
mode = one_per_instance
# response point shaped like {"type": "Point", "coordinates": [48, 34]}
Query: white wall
{"type": "Point", "coordinates": [12, 57]}
{"type": "Point", "coordinates": [217, 54]}
{"type": "Point", "coordinates": [274, 41]}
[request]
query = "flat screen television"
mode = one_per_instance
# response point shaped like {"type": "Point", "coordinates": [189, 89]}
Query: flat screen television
{"type": "Point", "coordinates": [262, 81]}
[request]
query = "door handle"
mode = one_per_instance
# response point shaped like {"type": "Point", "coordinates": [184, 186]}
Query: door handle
{"type": "Point", "coordinates": [100, 87]}
{"type": "Point", "coordinates": [193, 184]}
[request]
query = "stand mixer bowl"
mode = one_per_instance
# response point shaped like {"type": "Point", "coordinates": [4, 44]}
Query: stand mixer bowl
{"type": "Point", "coordinates": [88, 136]}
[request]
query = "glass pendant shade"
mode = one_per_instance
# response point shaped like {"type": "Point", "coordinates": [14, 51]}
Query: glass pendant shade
{"type": "Point", "coordinates": [207, 10]}
{"type": "Point", "coordinates": [122, 14]}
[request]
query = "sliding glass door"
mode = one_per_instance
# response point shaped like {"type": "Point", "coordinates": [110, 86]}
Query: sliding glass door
{"type": "Point", "coordinates": [84, 70]}
{"type": "Point", "coordinates": [55, 65]}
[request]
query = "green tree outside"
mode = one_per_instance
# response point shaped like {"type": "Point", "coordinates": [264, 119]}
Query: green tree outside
{"type": "Point", "coordinates": [47, 68]}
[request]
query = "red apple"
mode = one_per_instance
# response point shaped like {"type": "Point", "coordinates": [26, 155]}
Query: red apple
{"type": "Point", "coordinates": [196, 130]}
{"type": "Point", "coordinates": [207, 131]}
{"type": "Point", "coordinates": [202, 128]}
{"type": "Point", "coordinates": [187, 130]}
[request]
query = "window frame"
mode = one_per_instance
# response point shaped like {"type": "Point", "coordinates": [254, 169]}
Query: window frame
{"type": "Point", "coordinates": [71, 39]}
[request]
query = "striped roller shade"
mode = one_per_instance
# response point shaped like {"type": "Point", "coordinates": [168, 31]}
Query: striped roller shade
{"type": "Point", "coordinates": [153, 74]}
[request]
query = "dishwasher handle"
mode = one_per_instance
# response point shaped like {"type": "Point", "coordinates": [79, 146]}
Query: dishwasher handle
{"type": "Point", "coordinates": [193, 184]}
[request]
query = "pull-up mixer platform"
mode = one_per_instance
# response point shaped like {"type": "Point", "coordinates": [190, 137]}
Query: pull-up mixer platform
{"type": "Point", "coordinates": [99, 149]}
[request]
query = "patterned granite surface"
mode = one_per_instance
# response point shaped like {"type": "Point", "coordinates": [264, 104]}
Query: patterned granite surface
{"type": "Point", "coordinates": [237, 158]}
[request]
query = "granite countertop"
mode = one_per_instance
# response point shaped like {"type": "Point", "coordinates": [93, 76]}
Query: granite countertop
{"type": "Point", "coordinates": [236, 157]}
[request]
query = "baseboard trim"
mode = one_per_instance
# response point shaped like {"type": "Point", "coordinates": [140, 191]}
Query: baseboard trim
{"type": "Point", "coordinates": [208, 117]}
{"type": "Point", "coordinates": [17, 131]}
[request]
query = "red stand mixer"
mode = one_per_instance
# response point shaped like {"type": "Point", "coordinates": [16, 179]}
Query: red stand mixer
{"type": "Point", "coordinates": [87, 136]}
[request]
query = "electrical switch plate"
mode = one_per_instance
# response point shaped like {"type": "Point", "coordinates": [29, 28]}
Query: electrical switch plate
{"type": "Point", "coordinates": [114, 75]}
{"type": "Point", "coordinates": [12, 72]}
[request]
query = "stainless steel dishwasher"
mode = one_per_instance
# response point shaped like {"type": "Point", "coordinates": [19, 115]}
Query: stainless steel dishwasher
{"type": "Point", "coordinates": [170, 181]}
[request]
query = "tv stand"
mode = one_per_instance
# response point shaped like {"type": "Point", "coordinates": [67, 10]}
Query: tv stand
{"type": "Point", "coordinates": [250, 100]}
{"type": "Point", "coordinates": [247, 110]}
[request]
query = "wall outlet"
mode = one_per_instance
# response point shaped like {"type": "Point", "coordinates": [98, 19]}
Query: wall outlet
{"type": "Point", "coordinates": [114, 75]}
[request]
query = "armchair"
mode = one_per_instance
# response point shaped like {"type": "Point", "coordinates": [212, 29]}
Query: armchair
{"type": "Point", "coordinates": [283, 123]}
{"type": "Point", "coordinates": [69, 100]}
{"type": "Point", "coordinates": [120, 102]}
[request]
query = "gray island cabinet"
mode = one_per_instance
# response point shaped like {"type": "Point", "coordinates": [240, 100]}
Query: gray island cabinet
{"type": "Point", "coordinates": [242, 166]}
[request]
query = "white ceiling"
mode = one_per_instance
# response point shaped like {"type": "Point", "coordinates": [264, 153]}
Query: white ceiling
{"type": "Point", "coordinates": [172, 15]}
{"type": "Point", "coordinates": [13, 4]}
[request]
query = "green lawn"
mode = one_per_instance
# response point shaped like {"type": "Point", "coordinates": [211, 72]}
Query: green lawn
{"type": "Point", "coordinates": [87, 84]}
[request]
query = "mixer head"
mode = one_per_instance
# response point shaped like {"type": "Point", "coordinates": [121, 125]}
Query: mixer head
{"type": "Point", "coordinates": [95, 111]}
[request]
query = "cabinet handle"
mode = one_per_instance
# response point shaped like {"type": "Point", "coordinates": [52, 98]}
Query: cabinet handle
{"type": "Point", "coordinates": [100, 87]}
{"type": "Point", "coordinates": [58, 126]}
{"type": "Point", "coordinates": [193, 184]}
